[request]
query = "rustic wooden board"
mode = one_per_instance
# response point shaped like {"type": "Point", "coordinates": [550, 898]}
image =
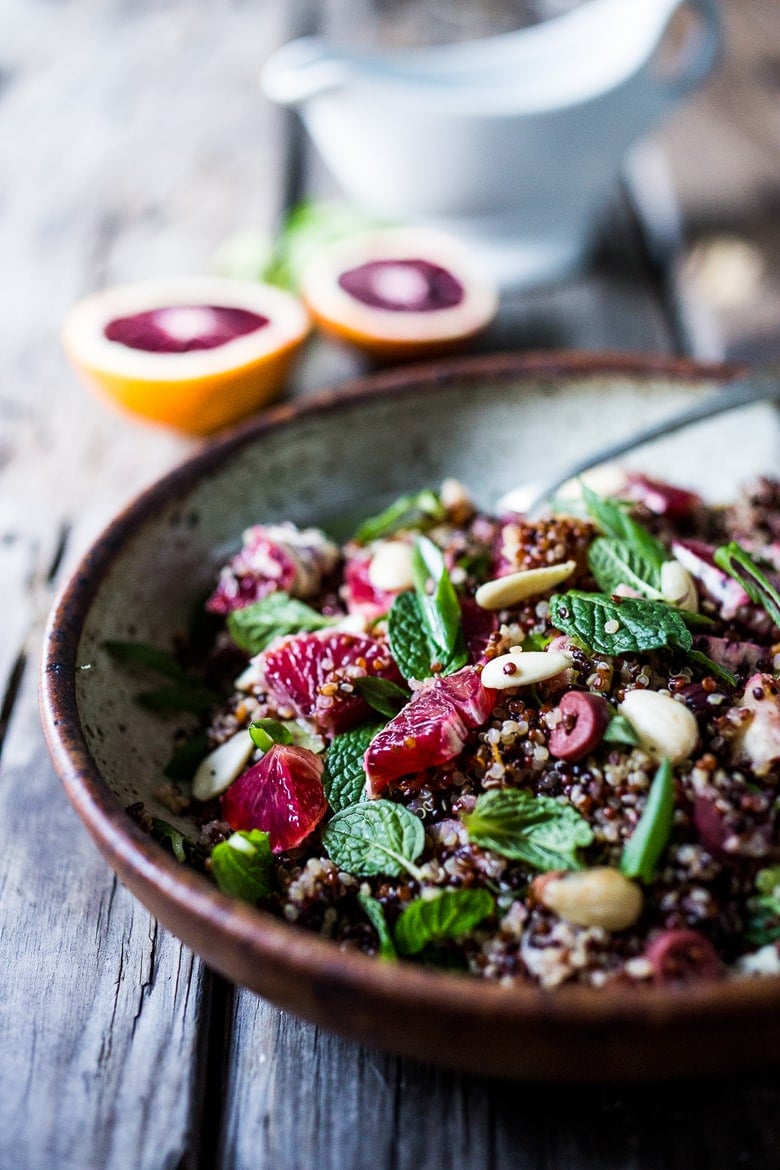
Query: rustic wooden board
{"type": "Point", "coordinates": [132, 140]}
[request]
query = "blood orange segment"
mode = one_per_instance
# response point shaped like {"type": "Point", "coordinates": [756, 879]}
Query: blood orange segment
{"type": "Point", "coordinates": [431, 730]}
{"type": "Point", "coordinates": [478, 626]}
{"type": "Point", "coordinates": [282, 795]}
{"type": "Point", "coordinates": [360, 594]}
{"type": "Point", "coordinates": [274, 557]}
{"type": "Point", "coordinates": [314, 674]}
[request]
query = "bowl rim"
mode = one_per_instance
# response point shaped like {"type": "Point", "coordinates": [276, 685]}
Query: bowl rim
{"type": "Point", "coordinates": [179, 894]}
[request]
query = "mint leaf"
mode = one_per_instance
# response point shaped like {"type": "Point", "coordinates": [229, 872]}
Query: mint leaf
{"type": "Point", "coordinates": [376, 916]}
{"type": "Point", "coordinates": [714, 668]}
{"type": "Point", "coordinates": [441, 608]}
{"type": "Point", "coordinates": [450, 914]}
{"type": "Point", "coordinates": [420, 511]}
{"type": "Point", "coordinates": [186, 756]}
{"type": "Point", "coordinates": [375, 837]}
{"type": "Point", "coordinates": [146, 657]}
{"type": "Point", "coordinates": [255, 626]}
{"type": "Point", "coordinates": [620, 730]}
{"type": "Point", "coordinates": [628, 626]}
{"type": "Point", "coordinates": [409, 644]}
{"type": "Point", "coordinates": [534, 829]}
{"type": "Point", "coordinates": [617, 562]}
{"type": "Point", "coordinates": [739, 564]}
{"type": "Point", "coordinates": [241, 866]}
{"type": "Point", "coordinates": [649, 839]}
{"type": "Point", "coordinates": [768, 887]}
{"type": "Point", "coordinates": [184, 696]}
{"type": "Point", "coordinates": [310, 226]}
{"type": "Point", "coordinates": [265, 733]}
{"type": "Point", "coordinates": [613, 519]}
{"type": "Point", "coordinates": [344, 778]}
{"type": "Point", "coordinates": [382, 694]}
{"type": "Point", "coordinates": [169, 835]}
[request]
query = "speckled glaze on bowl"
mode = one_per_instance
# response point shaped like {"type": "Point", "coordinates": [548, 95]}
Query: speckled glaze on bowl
{"type": "Point", "coordinates": [491, 422]}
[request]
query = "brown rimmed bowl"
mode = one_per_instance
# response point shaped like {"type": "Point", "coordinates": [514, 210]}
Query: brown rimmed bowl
{"type": "Point", "coordinates": [490, 422]}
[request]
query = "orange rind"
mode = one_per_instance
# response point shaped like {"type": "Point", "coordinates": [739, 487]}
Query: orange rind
{"type": "Point", "coordinates": [399, 293]}
{"type": "Point", "coordinates": [193, 353]}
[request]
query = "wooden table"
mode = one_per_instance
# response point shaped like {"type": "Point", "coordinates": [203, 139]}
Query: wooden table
{"type": "Point", "coordinates": [133, 140]}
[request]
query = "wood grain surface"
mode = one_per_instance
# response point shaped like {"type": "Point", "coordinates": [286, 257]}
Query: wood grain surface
{"type": "Point", "coordinates": [133, 140]}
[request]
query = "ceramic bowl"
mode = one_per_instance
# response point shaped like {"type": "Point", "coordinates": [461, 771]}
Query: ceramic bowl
{"type": "Point", "coordinates": [491, 422]}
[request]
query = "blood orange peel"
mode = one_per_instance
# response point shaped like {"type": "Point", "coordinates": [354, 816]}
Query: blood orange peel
{"type": "Point", "coordinates": [193, 353]}
{"type": "Point", "coordinates": [399, 292]}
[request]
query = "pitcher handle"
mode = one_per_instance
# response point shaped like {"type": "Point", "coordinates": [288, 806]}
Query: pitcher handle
{"type": "Point", "coordinates": [699, 51]}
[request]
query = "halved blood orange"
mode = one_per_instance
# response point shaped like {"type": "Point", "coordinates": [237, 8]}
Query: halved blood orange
{"type": "Point", "coordinates": [193, 353]}
{"type": "Point", "coordinates": [399, 292]}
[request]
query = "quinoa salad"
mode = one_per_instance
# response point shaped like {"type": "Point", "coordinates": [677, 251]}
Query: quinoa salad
{"type": "Point", "coordinates": [539, 750]}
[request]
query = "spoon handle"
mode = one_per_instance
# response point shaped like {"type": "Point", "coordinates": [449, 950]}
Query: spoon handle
{"type": "Point", "coordinates": [763, 386]}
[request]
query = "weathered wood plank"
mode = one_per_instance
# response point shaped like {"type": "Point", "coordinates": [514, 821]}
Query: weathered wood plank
{"type": "Point", "coordinates": [98, 1007]}
{"type": "Point", "coordinates": [133, 139]}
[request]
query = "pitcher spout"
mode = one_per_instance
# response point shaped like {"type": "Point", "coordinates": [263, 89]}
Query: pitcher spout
{"type": "Point", "coordinates": [302, 69]}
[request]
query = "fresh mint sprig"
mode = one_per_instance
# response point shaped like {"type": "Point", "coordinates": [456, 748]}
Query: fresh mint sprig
{"type": "Point", "coordinates": [242, 865]}
{"type": "Point", "coordinates": [651, 835]}
{"type": "Point", "coordinates": [613, 518]}
{"type": "Point", "coordinates": [375, 837]}
{"type": "Point", "coordinates": [419, 511]}
{"type": "Point", "coordinates": [524, 827]}
{"type": "Point", "coordinates": [255, 626]}
{"type": "Point", "coordinates": [620, 730]}
{"type": "Point", "coordinates": [763, 925]}
{"type": "Point", "coordinates": [440, 608]}
{"type": "Point", "coordinates": [344, 778]}
{"type": "Point", "coordinates": [738, 563]}
{"type": "Point", "coordinates": [699, 658]}
{"type": "Point", "coordinates": [145, 657]}
{"type": "Point", "coordinates": [382, 694]}
{"type": "Point", "coordinates": [449, 914]}
{"type": "Point", "coordinates": [185, 757]}
{"type": "Point", "coordinates": [182, 694]}
{"type": "Point", "coordinates": [409, 642]}
{"type": "Point", "coordinates": [376, 916]}
{"type": "Point", "coordinates": [424, 627]}
{"type": "Point", "coordinates": [616, 562]}
{"type": "Point", "coordinates": [178, 698]}
{"type": "Point", "coordinates": [627, 626]}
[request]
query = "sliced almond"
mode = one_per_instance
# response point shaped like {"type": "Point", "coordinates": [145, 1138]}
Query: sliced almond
{"type": "Point", "coordinates": [222, 766]}
{"type": "Point", "coordinates": [514, 587]}
{"type": "Point", "coordinates": [522, 670]}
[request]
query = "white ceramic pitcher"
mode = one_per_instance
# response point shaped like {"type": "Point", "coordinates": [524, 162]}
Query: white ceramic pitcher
{"type": "Point", "coordinates": [514, 142]}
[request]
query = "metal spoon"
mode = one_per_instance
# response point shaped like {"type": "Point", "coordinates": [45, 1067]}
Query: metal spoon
{"type": "Point", "coordinates": [763, 386]}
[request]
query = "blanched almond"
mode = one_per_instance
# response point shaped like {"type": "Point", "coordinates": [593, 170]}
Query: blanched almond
{"type": "Point", "coordinates": [221, 767]}
{"type": "Point", "coordinates": [601, 896]}
{"type": "Point", "coordinates": [391, 567]}
{"type": "Point", "coordinates": [664, 726]}
{"type": "Point", "coordinates": [515, 587]}
{"type": "Point", "coordinates": [522, 670]}
{"type": "Point", "coordinates": [678, 588]}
